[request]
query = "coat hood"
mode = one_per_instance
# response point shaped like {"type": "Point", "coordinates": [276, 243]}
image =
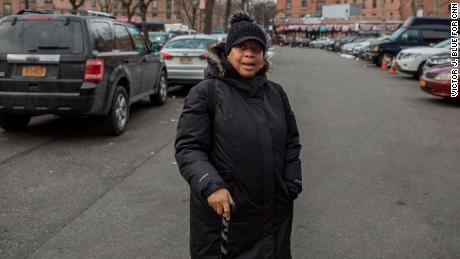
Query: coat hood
{"type": "Point", "coordinates": [219, 68]}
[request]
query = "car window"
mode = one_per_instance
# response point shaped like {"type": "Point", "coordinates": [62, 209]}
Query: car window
{"type": "Point", "coordinates": [41, 37]}
{"type": "Point", "coordinates": [443, 44]}
{"type": "Point", "coordinates": [409, 36]}
{"type": "Point", "coordinates": [122, 39]}
{"type": "Point", "coordinates": [102, 36]}
{"type": "Point", "coordinates": [158, 37]}
{"type": "Point", "coordinates": [434, 35]}
{"type": "Point", "coordinates": [190, 43]}
{"type": "Point", "coordinates": [138, 40]}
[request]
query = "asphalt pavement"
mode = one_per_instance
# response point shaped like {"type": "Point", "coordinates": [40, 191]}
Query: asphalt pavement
{"type": "Point", "coordinates": [381, 178]}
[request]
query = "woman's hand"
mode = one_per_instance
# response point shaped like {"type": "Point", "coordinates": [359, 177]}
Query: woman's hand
{"type": "Point", "coordinates": [220, 201]}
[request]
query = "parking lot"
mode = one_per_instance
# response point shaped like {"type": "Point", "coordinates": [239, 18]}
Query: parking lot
{"type": "Point", "coordinates": [379, 160]}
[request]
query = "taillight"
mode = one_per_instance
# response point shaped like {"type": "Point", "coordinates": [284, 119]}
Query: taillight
{"type": "Point", "coordinates": [94, 70]}
{"type": "Point", "coordinates": [40, 18]}
{"type": "Point", "coordinates": [203, 56]}
{"type": "Point", "coordinates": [166, 55]}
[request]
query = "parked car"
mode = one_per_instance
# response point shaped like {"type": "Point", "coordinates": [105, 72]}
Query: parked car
{"type": "Point", "coordinates": [348, 48]}
{"type": "Point", "coordinates": [320, 43]}
{"type": "Point", "coordinates": [438, 59]}
{"type": "Point", "coordinates": [221, 37]}
{"type": "Point", "coordinates": [159, 37]}
{"type": "Point", "coordinates": [360, 47]}
{"type": "Point", "coordinates": [416, 31]}
{"type": "Point", "coordinates": [411, 61]}
{"type": "Point", "coordinates": [339, 43]}
{"type": "Point", "coordinates": [66, 64]}
{"type": "Point", "coordinates": [281, 40]}
{"type": "Point", "coordinates": [436, 81]}
{"type": "Point", "coordinates": [300, 42]}
{"type": "Point", "coordinates": [185, 58]}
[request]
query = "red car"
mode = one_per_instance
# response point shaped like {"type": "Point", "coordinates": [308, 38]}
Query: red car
{"type": "Point", "coordinates": [436, 81]}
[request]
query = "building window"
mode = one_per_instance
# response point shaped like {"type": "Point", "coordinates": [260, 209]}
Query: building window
{"type": "Point", "coordinates": [319, 5]}
{"type": "Point", "coordinates": [304, 4]}
{"type": "Point", "coordinates": [288, 4]}
{"type": "Point", "coordinates": [168, 9]}
{"type": "Point", "coordinates": [354, 1]}
{"type": "Point", "coordinates": [391, 14]}
{"type": "Point", "coordinates": [154, 8]}
{"type": "Point", "coordinates": [364, 4]}
{"type": "Point", "coordinates": [93, 3]}
{"type": "Point", "coordinates": [374, 14]}
{"type": "Point", "coordinates": [48, 1]}
{"type": "Point", "coordinates": [337, 1]}
{"type": "Point", "coordinates": [7, 9]}
{"type": "Point", "coordinates": [374, 3]}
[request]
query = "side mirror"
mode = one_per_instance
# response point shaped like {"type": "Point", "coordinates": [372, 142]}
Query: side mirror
{"type": "Point", "coordinates": [154, 47]}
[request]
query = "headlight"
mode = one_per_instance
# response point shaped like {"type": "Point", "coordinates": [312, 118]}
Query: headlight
{"type": "Point", "coordinates": [375, 48]}
{"type": "Point", "coordinates": [440, 61]}
{"type": "Point", "coordinates": [408, 55]}
{"type": "Point", "coordinates": [443, 76]}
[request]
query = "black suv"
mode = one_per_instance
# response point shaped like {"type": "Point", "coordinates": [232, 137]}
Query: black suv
{"type": "Point", "coordinates": [86, 63]}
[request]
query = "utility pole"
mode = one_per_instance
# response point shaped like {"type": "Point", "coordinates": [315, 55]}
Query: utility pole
{"type": "Point", "coordinates": [384, 20]}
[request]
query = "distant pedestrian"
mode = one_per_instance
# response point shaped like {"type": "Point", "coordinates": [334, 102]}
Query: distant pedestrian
{"type": "Point", "coordinates": [238, 142]}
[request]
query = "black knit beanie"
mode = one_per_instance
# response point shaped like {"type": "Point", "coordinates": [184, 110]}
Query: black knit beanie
{"type": "Point", "coordinates": [243, 28]}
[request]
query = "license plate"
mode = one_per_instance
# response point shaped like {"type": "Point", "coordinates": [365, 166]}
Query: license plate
{"type": "Point", "coordinates": [422, 83]}
{"type": "Point", "coordinates": [185, 60]}
{"type": "Point", "coordinates": [34, 71]}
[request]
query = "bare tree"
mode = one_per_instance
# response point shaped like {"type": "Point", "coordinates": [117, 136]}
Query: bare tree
{"type": "Point", "coordinates": [190, 8]}
{"type": "Point", "coordinates": [107, 5]}
{"type": "Point", "coordinates": [228, 9]}
{"type": "Point", "coordinates": [130, 7]}
{"type": "Point", "coordinates": [263, 12]}
{"type": "Point", "coordinates": [143, 7]}
{"type": "Point", "coordinates": [76, 4]}
{"type": "Point", "coordinates": [208, 10]}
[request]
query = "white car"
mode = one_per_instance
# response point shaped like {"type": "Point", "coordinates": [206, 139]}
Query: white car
{"type": "Point", "coordinates": [185, 58]}
{"type": "Point", "coordinates": [411, 61]}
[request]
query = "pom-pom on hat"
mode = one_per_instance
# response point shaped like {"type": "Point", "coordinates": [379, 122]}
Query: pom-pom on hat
{"type": "Point", "coordinates": [243, 28]}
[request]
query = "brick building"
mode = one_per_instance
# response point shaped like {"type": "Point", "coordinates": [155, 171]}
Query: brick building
{"type": "Point", "coordinates": [303, 17]}
{"type": "Point", "coordinates": [391, 9]}
{"type": "Point", "coordinates": [160, 11]}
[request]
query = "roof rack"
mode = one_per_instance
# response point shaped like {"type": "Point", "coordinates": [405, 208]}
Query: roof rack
{"type": "Point", "coordinates": [81, 12]}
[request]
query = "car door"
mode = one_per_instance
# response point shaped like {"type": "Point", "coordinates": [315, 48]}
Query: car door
{"type": "Point", "coordinates": [147, 60]}
{"type": "Point", "coordinates": [128, 58]}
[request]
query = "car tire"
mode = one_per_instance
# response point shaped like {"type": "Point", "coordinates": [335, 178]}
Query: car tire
{"type": "Point", "coordinates": [116, 122]}
{"type": "Point", "coordinates": [14, 122]}
{"type": "Point", "coordinates": [159, 98]}
{"type": "Point", "coordinates": [419, 70]}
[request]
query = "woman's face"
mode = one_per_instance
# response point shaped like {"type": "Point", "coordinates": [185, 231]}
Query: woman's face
{"type": "Point", "coordinates": [246, 58]}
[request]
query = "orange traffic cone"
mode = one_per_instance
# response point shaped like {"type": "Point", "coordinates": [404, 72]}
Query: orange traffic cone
{"type": "Point", "coordinates": [384, 66]}
{"type": "Point", "coordinates": [393, 69]}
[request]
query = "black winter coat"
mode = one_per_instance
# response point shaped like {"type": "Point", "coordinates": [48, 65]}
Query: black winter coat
{"type": "Point", "coordinates": [251, 147]}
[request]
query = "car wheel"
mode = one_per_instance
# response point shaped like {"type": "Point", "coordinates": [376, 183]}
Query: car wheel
{"type": "Point", "coordinates": [13, 122]}
{"type": "Point", "coordinates": [159, 98]}
{"type": "Point", "coordinates": [419, 70]}
{"type": "Point", "coordinates": [116, 122]}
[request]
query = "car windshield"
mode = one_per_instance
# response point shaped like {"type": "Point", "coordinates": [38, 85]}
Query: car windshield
{"type": "Point", "coordinates": [190, 43]}
{"type": "Point", "coordinates": [158, 37]}
{"type": "Point", "coordinates": [41, 37]}
{"type": "Point", "coordinates": [443, 44]}
{"type": "Point", "coordinates": [396, 34]}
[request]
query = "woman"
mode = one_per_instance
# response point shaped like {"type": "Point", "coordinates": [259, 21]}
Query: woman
{"type": "Point", "coordinates": [246, 151]}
